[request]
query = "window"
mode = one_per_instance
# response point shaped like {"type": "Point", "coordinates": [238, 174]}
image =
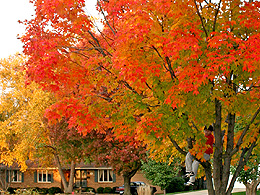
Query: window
{"type": "Point", "coordinates": [15, 176]}
{"type": "Point", "coordinates": [81, 178]}
{"type": "Point", "coordinates": [105, 175]}
{"type": "Point", "coordinates": [44, 176]}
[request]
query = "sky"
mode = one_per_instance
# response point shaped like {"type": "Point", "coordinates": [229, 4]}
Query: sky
{"type": "Point", "coordinates": [10, 12]}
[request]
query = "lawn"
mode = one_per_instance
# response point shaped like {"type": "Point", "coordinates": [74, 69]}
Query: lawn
{"type": "Point", "coordinates": [244, 193]}
{"type": "Point", "coordinates": [236, 193]}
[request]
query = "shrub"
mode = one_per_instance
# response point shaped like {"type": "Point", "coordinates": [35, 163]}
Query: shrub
{"type": "Point", "coordinates": [11, 190]}
{"type": "Point", "coordinates": [114, 190]}
{"type": "Point", "coordinates": [100, 190]}
{"type": "Point", "coordinates": [43, 190]}
{"type": "Point", "coordinates": [54, 190]}
{"type": "Point", "coordinates": [90, 189]}
{"type": "Point", "coordinates": [176, 185]}
{"type": "Point", "coordinates": [107, 190]}
{"type": "Point", "coordinates": [28, 191]}
{"type": "Point", "coordinates": [37, 189]}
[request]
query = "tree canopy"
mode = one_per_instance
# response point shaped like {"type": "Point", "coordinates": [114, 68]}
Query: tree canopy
{"type": "Point", "coordinates": [158, 70]}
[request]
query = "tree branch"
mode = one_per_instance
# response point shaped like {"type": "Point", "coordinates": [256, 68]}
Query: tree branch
{"type": "Point", "coordinates": [105, 17]}
{"type": "Point", "coordinates": [201, 19]}
{"type": "Point", "coordinates": [216, 14]}
{"type": "Point", "coordinates": [168, 63]}
{"type": "Point", "coordinates": [240, 140]}
{"type": "Point", "coordinates": [177, 146]}
{"type": "Point", "coordinates": [246, 153]}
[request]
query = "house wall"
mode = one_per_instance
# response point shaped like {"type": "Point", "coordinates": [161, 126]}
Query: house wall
{"type": "Point", "coordinates": [119, 181]}
{"type": "Point", "coordinates": [28, 181]}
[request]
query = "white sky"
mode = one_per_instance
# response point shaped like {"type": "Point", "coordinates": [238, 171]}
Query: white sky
{"type": "Point", "coordinates": [10, 12]}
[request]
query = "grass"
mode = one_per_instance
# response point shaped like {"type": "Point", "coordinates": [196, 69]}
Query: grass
{"type": "Point", "coordinates": [244, 193]}
{"type": "Point", "coordinates": [235, 193]}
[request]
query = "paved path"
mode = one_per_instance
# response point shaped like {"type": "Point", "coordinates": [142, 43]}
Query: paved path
{"type": "Point", "coordinates": [205, 192]}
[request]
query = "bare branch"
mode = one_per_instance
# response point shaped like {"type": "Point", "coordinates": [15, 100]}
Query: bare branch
{"type": "Point", "coordinates": [216, 14]}
{"type": "Point", "coordinates": [105, 17]}
{"type": "Point", "coordinates": [201, 19]}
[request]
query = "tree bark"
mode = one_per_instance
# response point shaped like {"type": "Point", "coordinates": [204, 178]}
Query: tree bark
{"type": "Point", "coordinates": [68, 186]}
{"type": "Point", "coordinates": [127, 178]}
{"type": "Point", "coordinates": [217, 160]}
{"type": "Point", "coordinates": [71, 180]}
{"type": "Point", "coordinates": [250, 189]}
{"type": "Point", "coordinates": [207, 168]}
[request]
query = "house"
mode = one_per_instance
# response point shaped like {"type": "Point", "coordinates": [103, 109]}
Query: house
{"type": "Point", "coordinates": [85, 176]}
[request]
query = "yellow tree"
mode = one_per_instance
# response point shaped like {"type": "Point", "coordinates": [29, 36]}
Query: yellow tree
{"type": "Point", "coordinates": [25, 131]}
{"type": "Point", "coordinates": [22, 107]}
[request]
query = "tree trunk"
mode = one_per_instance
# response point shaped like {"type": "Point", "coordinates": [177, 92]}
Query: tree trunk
{"type": "Point", "coordinates": [207, 168]}
{"type": "Point", "coordinates": [127, 179]}
{"type": "Point", "coordinates": [217, 157]}
{"type": "Point", "coordinates": [250, 189]}
{"type": "Point", "coordinates": [68, 186]}
{"type": "Point", "coordinates": [71, 180]}
{"type": "Point", "coordinates": [164, 192]}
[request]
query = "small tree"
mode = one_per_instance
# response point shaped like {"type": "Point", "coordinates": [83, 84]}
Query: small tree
{"type": "Point", "coordinates": [161, 173]}
{"type": "Point", "coordinates": [124, 155]}
{"type": "Point", "coordinates": [250, 175]}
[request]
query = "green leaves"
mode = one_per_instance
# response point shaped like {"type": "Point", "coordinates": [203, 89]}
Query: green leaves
{"type": "Point", "coordinates": [161, 173]}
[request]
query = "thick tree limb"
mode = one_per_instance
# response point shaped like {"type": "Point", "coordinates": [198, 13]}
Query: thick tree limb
{"type": "Point", "coordinates": [177, 146]}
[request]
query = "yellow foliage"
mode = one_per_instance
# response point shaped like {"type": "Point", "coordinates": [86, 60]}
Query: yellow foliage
{"type": "Point", "coordinates": [22, 107]}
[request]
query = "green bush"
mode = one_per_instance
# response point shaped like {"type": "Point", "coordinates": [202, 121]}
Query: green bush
{"type": "Point", "coordinates": [90, 189]}
{"type": "Point", "coordinates": [100, 190]}
{"type": "Point", "coordinates": [176, 185]}
{"type": "Point", "coordinates": [54, 190]}
{"type": "Point", "coordinates": [43, 190]}
{"type": "Point", "coordinates": [11, 190]}
{"type": "Point", "coordinates": [107, 190]}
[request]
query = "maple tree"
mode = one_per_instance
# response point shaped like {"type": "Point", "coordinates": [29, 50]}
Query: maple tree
{"type": "Point", "coordinates": [159, 70]}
